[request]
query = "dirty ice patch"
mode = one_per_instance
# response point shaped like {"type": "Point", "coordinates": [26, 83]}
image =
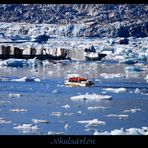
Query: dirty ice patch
{"type": "Point", "coordinates": [93, 122]}
{"type": "Point", "coordinates": [91, 97]}
{"type": "Point", "coordinates": [115, 90]}
{"type": "Point", "coordinates": [112, 76]}
{"type": "Point", "coordinates": [15, 95]}
{"type": "Point", "coordinates": [26, 79]}
{"type": "Point", "coordinates": [3, 121]}
{"type": "Point", "coordinates": [130, 131]}
{"type": "Point", "coordinates": [122, 116]}
{"type": "Point", "coordinates": [133, 110]}
{"type": "Point", "coordinates": [36, 121]}
{"type": "Point", "coordinates": [27, 128]}
{"type": "Point", "coordinates": [18, 110]}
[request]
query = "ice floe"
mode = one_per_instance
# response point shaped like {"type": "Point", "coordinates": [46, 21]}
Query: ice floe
{"type": "Point", "coordinates": [56, 114]}
{"type": "Point", "coordinates": [14, 95]}
{"type": "Point", "coordinates": [133, 110]}
{"type": "Point", "coordinates": [18, 110]}
{"type": "Point", "coordinates": [122, 131]}
{"type": "Point", "coordinates": [121, 116]}
{"type": "Point", "coordinates": [26, 79]}
{"type": "Point", "coordinates": [3, 121]}
{"type": "Point", "coordinates": [66, 106]}
{"type": "Point", "coordinates": [115, 90]}
{"type": "Point", "coordinates": [112, 76]}
{"type": "Point", "coordinates": [96, 107]}
{"type": "Point", "coordinates": [35, 121]}
{"type": "Point", "coordinates": [133, 69]}
{"type": "Point", "coordinates": [91, 97]}
{"type": "Point", "coordinates": [146, 78]}
{"type": "Point", "coordinates": [27, 128]}
{"type": "Point", "coordinates": [67, 126]}
{"type": "Point", "coordinates": [93, 122]}
{"type": "Point", "coordinates": [55, 133]}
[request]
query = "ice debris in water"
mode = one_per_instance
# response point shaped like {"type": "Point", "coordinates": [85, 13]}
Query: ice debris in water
{"type": "Point", "coordinates": [14, 95]}
{"type": "Point", "coordinates": [112, 76]}
{"type": "Point", "coordinates": [66, 106]}
{"type": "Point", "coordinates": [96, 107]}
{"type": "Point", "coordinates": [55, 91]}
{"type": "Point", "coordinates": [146, 78]}
{"type": "Point", "coordinates": [133, 69]}
{"type": "Point", "coordinates": [128, 61]}
{"type": "Point", "coordinates": [115, 90]}
{"type": "Point", "coordinates": [55, 133]}
{"type": "Point", "coordinates": [93, 122]}
{"type": "Point", "coordinates": [118, 116]}
{"type": "Point", "coordinates": [132, 110]}
{"type": "Point", "coordinates": [18, 110]}
{"type": "Point", "coordinates": [56, 114]}
{"type": "Point", "coordinates": [35, 121]}
{"type": "Point", "coordinates": [26, 79]}
{"type": "Point", "coordinates": [91, 97]}
{"type": "Point", "coordinates": [27, 128]}
{"type": "Point", "coordinates": [130, 131]}
{"type": "Point", "coordinates": [137, 91]}
{"type": "Point", "coordinates": [3, 121]}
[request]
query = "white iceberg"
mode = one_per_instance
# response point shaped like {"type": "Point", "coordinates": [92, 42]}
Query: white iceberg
{"type": "Point", "coordinates": [115, 90]}
{"type": "Point", "coordinates": [91, 97]}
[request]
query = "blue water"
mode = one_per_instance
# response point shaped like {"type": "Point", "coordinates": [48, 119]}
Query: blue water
{"type": "Point", "coordinates": [42, 98]}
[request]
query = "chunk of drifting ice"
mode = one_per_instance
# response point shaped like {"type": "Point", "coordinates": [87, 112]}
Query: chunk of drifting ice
{"type": "Point", "coordinates": [66, 106]}
{"type": "Point", "coordinates": [118, 116]}
{"type": "Point", "coordinates": [146, 78]}
{"type": "Point", "coordinates": [93, 122]}
{"type": "Point", "coordinates": [137, 90]}
{"type": "Point", "coordinates": [142, 57]}
{"type": "Point", "coordinates": [130, 131]}
{"type": "Point", "coordinates": [132, 110]}
{"type": "Point", "coordinates": [55, 91]}
{"type": "Point", "coordinates": [14, 95]}
{"type": "Point", "coordinates": [133, 69]}
{"type": "Point", "coordinates": [26, 79]}
{"type": "Point", "coordinates": [18, 110]}
{"type": "Point", "coordinates": [112, 76]}
{"type": "Point", "coordinates": [55, 133]}
{"type": "Point", "coordinates": [27, 128]}
{"type": "Point", "coordinates": [35, 121]}
{"type": "Point", "coordinates": [56, 114]}
{"type": "Point", "coordinates": [91, 97]}
{"type": "Point", "coordinates": [3, 121]}
{"type": "Point", "coordinates": [115, 90]}
{"type": "Point", "coordinates": [128, 61]}
{"type": "Point", "coordinates": [96, 107]}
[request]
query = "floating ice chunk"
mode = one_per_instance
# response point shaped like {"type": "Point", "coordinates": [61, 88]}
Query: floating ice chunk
{"type": "Point", "coordinates": [27, 128]}
{"type": "Point", "coordinates": [3, 121]}
{"type": "Point", "coordinates": [133, 69]}
{"type": "Point", "coordinates": [146, 78]}
{"type": "Point", "coordinates": [115, 90]}
{"type": "Point", "coordinates": [96, 107]}
{"type": "Point", "coordinates": [56, 114]}
{"type": "Point", "coordinates": [14, 95]}
{"type": "Point", "coordinates": [18, 110]}
{"type": "Point", "coordinates": [142, 57]}
{"type": "Point", "coordinates": [55, 91]}
{"type": "Point", "coordinates": [118, 116]}
{"type": "Point", "coordinates": [55, 133]}
{"type": "Point", "coordinates": [112, 76]}
{"type": "Point", "coordinates": [128, 61]}
{"type": "Point", "coordinates": [67, 126]}
{"type": "Point", "coordinates": [26, 79]}
{"type": "Point", "coordinates": [130, 131]}
{"type": "Point", "coordinates": [3, 102]}
{"type": "Point", "coordinates": [137, 91]}
{"type": "Point", "coordinates": [66, 106]}
{"type": "Point", "coordinates": [132, 110]}
{"type": "Point", "coordinates": [35, 121]}
{"type": "Point", "coordinates": [68, 114]}
{"type": "Point", "coordinates": [93, 122]}
{"type": "Point", "coordinates": [91, 97]}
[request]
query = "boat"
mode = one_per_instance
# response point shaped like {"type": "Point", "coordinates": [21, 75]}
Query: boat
{"type": "Point", "coordinates": [77, 80]}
